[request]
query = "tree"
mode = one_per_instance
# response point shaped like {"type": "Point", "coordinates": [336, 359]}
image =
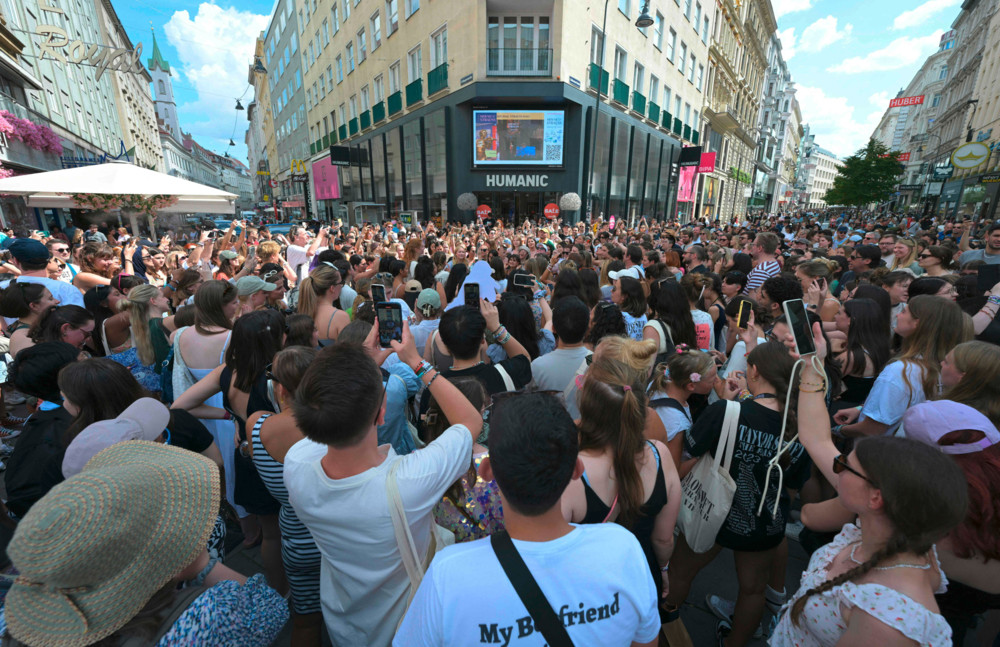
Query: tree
{"type": "Point", "coordinates": [870, 175]}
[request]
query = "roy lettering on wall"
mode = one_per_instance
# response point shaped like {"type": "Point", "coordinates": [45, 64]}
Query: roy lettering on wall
{"type": "Point", "coordinates": [59, 47]}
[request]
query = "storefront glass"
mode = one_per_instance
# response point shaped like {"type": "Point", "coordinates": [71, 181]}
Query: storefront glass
{"type": "Point", "coordinates": [617, 202]}
{"type": "Point", "coordinates": [414, 170]}
{"type": "Point", "coordinates": [601, 150]}
{"type": "Point", "coordinates": [652, 173]}
{"type": "Point", "coordinates": [638, 172]}
{"type": "Point", "coordinates": [393, 153]}
{"type": "Point", "coordinates": [436, 144]}
{"type": "Point", "coordinates": [378, 169]}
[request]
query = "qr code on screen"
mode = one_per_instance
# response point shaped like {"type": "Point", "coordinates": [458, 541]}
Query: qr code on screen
{"type": "Point", "coordinates": [553, 151]}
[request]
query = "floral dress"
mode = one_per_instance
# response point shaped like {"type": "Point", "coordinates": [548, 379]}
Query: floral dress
{"type": "Point", "coordinates": [822, 624]}
{"type": "Point", "coordinates": [481, 514]}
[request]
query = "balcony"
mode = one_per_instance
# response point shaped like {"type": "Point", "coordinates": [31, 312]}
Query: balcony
{"type": "Point", "coordinates": [667, 119]}
{"type": "Point", "coordinates": [437, 79]}
{"type": "Point", "coordinates": [639, 103]}
{"type": "Point", "coordinates": [654, 112]}
{"type": "Point", "coordinates": [333, 137]}
{"type": "Point", "coordinates": [694, 137]}
{"type": "Point", "coordinates": [352, 126]}
{"type": "Point", "coordinates": [597, 72]}
{"type": "Point", "coordinates": [312, 148]}
{"type": "Point", "coordinates": [342, 132]}
{"type": "Point", "coordinates": [620, 92]}
{"type": "Point", "coordinates": [395, 103]}
{"type": "Point", "coordinates": [678, 127]}
{"type": "Point", "coordinates": [519, 62]}
{"type": "Point", "coordinates": [687, 133]}
{"type": "Point", "coordinates": [326, 141]}
{"type": "Point", "coordinates": [366, 120]}
{"type": "Point", "coordinates": [378, 112]}
{"type": "Point", "coordinates": [414, 92]}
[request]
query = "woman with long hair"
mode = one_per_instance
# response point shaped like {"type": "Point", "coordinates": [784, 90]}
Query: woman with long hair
{"type": "Point", "coordinates": [317, 296]}
{"type": "Point", "coordinates": [930, 327]}
{"type": "Point", "coordinates": [590, 292]}
{"type": "Point", "coordinates": [97, 266]}
{"type": "Point", "coordinates": [685, 373]}
{"type": "Point", "coordinates": [243, 384]}
{"type": "Point", "coordinates": [400, 272]}
{"type": "Point", "coordinates": [695, 285]}
{"type": "Point", "coordinates": [182, 286]}
{"type": "Point", "coordinates": [672, 323]}
{"type": "Point", "coordinates": [28, 303]}
{"type": "Point", "coordinates": [934, 286]}
{"type": "Point", "coordinates": [606, 320]}
{"type": "Point", "coordinates": [455, 279]}
{"type": "Point", "coordinates": [756, 539]}
{"type": "Point", "coordinates": [970, 374]}
{"type": "Point", "coordinates": [904, 256]}
{"type": "Point", "coordinates": [626, 293]}
{"type": "Point", "coordinates": [867, 350]}
{"type": "Point", "coordinates": [937, 260]}
{"type": "Point", "coordinates": [874, 584]}
{"type": "Point", "coordinates": [819, 272]}
{"type": "Point", "coordinates": [70, 324]}
{"type": "Point", "coordinates": [156, 272]}
{"type": "Point", "coordinates": [627, 479]}
{"type": "Point", "coordinates": [229, 266]}
{"type": "Point", "coordinates": [517, 318]}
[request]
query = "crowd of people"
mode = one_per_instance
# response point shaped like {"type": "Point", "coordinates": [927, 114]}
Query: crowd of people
{"type": "Point", "coordinates": [528, 460]}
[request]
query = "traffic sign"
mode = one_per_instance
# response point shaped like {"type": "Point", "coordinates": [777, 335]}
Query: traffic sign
{"type": "Point", "coordinates": [551, 211]}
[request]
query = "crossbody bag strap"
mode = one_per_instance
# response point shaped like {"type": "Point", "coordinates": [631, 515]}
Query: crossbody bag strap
{"type": "Point", "coordinates": [404, 538]}
{"type": "Point", "coordinates": [508, 382]}
{"type": "Point", "coordinates": [727, 440]}
{"type": "Point", "coordinates": [545, 619]}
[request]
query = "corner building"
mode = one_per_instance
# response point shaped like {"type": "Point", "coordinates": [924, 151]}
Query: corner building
{"type": "Point", "coordinates": [501, 99]}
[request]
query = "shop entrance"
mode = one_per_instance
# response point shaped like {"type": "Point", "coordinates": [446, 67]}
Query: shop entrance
{"type": "Point", "coordinates": [513, 207]}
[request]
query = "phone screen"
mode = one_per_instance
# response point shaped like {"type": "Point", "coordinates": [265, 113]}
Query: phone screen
{"type": "Point", "coordinates": [743, 318]}
{"type": "Point", "coordinates": [390, 323]}
{"type": "Point", "coordinates": [798, 321]}
{"type": "Point", "coordinates": [378, 293]}
{"type": "Point", "coordinates": [471, 294]}
{"type": "Point", "coordinates": [524, 280]}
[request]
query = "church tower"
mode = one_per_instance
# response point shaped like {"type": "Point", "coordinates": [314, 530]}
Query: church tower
{"type": "Point", "coordinates": [166, 108]}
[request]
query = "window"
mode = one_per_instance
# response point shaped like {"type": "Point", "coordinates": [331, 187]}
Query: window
{"type": "Point", "coordinates": [411, 7]}
{"type": "Point", "coordinates": [322, 87]}
{"type": "Point", "coordinates": [335, 17]}
{"type": "Point", "coordinates": [298, 79]}
{"type": "Point", "coordinates": [377, 86]}
{"type": "Point", "coordinates": [347, 9]}
{"type": "Point", "coordinates": [340, 68]}
{"type": "Point", "coordinates": [309, 98]}
{"type": "Point", "coordinates": [364, 99]}
{"type": "Point", "coordinates": [376, 25]}
{"type": "Point", "coordinates": [681, 65]}
{"type": "Point", "coordinates": [694, 62]}
{"type": "Point", "coordinates": [624, 6]}
{"type": "Point", "coordinates": [654, 88]}
{"type": "Point", "coordinates": [394, 78]}
{"type": "Point", "coordinates": [687, 114]}
{"type": "Point", "coordinates": [677, 107]}
{"type": "Point", "coordinates": [342, 114]}
{"type": "Point", "coordinates": [163, 89]}
{"type": "Point", "coordinates": [638, 72]}
{"type": "Point", "coordinates": [704, 30]}
{"type": "Point", "coordinates": [354, 106]}
{"type": "Point", "coordinates": [326, 32]}
{"type": "Point", "coordinates": [362, 46]}
{"type": "Point", "coordinates": [701, 76]}
{"type": "Point", "coordinates": [350, 56]}
{"type": "Point", "coordinates": [934, 102]}
{"type": "Point", "coordinates": [329, 77]}
{"type": "Point", "coordinates": [391, 17]}
{"type": "Point", "coordinates": [311, 57]}
{"type": "Point", "coordinates": [944, 73]}
{"type": "Point", "coordinates": [658, 31]}
{"type": "Point", "coordinates": [666, 97]}
{"type": "Point", "coordinates": [439, 47]}
{"type": "Point", "coordinates": [687, 9]}
{"type": "Point", "coordinates": [697, 17]}
{"type": "Point", "coordinates": [621, 63]}
{"type": "Point", "coordinates": [413, 68]}
{"type": "Point", "coordinates": [302, 23]}
{"type": "Point", "coordinates": [671, 45]}
{"type": "Point", "coordinates": [596, 46]}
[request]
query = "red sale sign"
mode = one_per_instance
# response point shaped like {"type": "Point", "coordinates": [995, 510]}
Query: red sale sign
{"type": "Point", "coordinates": [483, 211]}
{"type": "Point", "coordinates": [906, 101]}
{"type": "Point", "coordinates": [551, 211]}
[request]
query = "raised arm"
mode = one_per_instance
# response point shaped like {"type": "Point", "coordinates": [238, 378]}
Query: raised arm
{"type": "Point", "coordinates": [814, 419]}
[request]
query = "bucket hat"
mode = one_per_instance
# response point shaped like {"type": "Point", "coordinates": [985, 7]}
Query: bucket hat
{"type": "Point", "coordinates": [93, 551]}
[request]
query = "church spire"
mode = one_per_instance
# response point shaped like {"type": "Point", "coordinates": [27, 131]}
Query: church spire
{"type": "Point", "coordinates": [157, 60]}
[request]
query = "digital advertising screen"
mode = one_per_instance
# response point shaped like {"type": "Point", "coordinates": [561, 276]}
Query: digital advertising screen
{"type": "Point", "coordinates": [518, 137]}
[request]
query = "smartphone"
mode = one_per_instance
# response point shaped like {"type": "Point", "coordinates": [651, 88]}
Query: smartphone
{"type": "Point", "coordinates": [798, 321]}
{"type": "Point", "coordinates": [390, 323]}
{"type": "Point", "coordinates": [378, 293]}
{"type": "Point", "coordinates": [528, 280]}
{"type": "Point", "coordinates": [743, 317]}
{"type": "Point", "coordinates": [252, 253]}
{"type": "Point", "coordinates": [471, 292]}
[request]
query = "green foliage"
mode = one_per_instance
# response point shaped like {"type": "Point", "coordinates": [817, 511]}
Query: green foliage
{"type": "Point", "coordinates": [870, 175]}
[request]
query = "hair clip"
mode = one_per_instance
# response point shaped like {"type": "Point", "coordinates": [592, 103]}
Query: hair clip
{"type": "Point", "coordinates": [627, 387]}
{"type": "Point", "coordinates": [695, 377]}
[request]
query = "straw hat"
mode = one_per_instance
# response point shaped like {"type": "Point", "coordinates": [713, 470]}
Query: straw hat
{"type": "Point", "coordinates": [93, 551]}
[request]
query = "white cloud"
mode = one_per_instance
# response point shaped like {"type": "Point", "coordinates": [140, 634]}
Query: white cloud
{"type": "Point", "coordinates": [823, 33]}
{"type": "Point", "coordinates": [783, 7]}
{"type": "Point", "coordinates": [215, 48]}
{"type": "Point", "coordinates": [833, 120]}
{"type": "Point", "coordinates": [787, 38]}
{"type": "Point", "coordinates": [880, 99]}
{"type": "Point", "coordinates": [922, 13]}
{"type": "Point", "coordinates": [899, 53]}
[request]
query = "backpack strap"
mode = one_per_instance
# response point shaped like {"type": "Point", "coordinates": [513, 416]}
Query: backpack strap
{"type": "Point", "coordinates": [508, 381]}
{"type": "Point", "coordinates": [670, 403]}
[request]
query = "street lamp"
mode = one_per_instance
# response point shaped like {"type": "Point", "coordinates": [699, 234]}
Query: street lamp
{"type": "Point", "coordinates": [643, 21]}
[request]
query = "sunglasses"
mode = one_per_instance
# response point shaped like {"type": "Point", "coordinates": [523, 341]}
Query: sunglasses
{"type": "Point", "coordinates": [60, 250]}
{"type": "Point", "coordinates": [926, 256]}
{"type": "Point", "coordinates": [840, 465]}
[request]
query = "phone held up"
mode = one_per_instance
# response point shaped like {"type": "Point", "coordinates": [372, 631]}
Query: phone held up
{"type": "Point", "coordinates": [378, 293]}
{"type": "Point", "coordinates": [390, 323]}
{"type": "Point", "coordinates": [798, 321]}
{"type": "Point", "coordinates": [743, 317]}
{"type": "Point", "coordinates": [471, 292]}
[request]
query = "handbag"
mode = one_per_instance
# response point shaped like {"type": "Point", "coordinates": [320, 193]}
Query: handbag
{"type": "Point", "coordinates": [543, 617]}
{"type": "Point", "coordinates": [708, 488]}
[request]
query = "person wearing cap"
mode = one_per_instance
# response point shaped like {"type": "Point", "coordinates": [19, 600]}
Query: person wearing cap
{"type": "Point", "coordinates": [841, 237]}
{"type": "Point", "coordinates": [970, 555]}
{"type": "Point", "coordinates": [253, 292]}
{"type": "Point", "coordinates": [228, 265]}
{"type": "Point", "coordinates": [104, 552]}
{"type": "Point", "coordinates": [411, 289]}
{"type": "Point", "coordinates": [32, 258]}
{"type": "Point", "coordinates": [428, 314]}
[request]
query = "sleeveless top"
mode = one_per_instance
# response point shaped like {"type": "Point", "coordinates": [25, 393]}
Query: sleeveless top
{"type": "Point", "coordinates": [440, 361]}
{"type": "Point", "coordinates": [257, 400]}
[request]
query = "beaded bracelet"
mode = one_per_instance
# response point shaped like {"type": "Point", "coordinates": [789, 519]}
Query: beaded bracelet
{"type": "Point", "coordinates": [994, 299]}
{"type": "Point", "coordinates": [436, 374]}
{"type": "Point", "coordinates": [822, 390]}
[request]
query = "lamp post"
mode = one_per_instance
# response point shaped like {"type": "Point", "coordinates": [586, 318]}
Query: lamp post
{"type": "Point", "coordinates": [644, 20]}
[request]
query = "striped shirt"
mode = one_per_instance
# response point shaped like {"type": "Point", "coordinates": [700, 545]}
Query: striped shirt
{"type": "Point", "coordinates": [762, 272]}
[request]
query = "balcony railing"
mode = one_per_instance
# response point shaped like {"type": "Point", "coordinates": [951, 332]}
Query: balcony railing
{"type": "Point", "coordinates": [395, 103]}
{"type": "Point", "coordinates": [312, 148]}
{"type": "Point", "coordinates": [414, 92]}
{"type": "Point", "coordinates": [678, 127]}
{"type": "Point", "coordinates": [518, 62]}
{"type": "Point", "coordinates": [654, 112]}
{"type": "Point", "coordinates": [639, 102]}
{"type": "Point", "coordinates": [326, 141]}
{"type": "Point", "coordinates": [342, 132]}
{"type": "Point", "coordinates": [694, 137]}
{"type": "Point", "coordinates": [352, 126]}
{"type": "Point", "coordinates": [620, 92]}
{"type": "Point", "coordinates": [687, 133]}
{"type": "Point", "coordinates": [668, 119]}
{"type": "Point", "coordinates": [366, 120]}
{"type": "Point", "coordinates": [378, 112]}
{"type": "Point", "coordinates": [437, 79]}
{"type": "Point", "coordinates": [595, 72]}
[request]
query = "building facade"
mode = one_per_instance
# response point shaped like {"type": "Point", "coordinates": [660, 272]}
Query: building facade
{"type": "Point", "coordinates": [260, 132]}
{"type": "Point", "coordinates": [780, 132]}
{"type": "Point", "coordinates": [819, 168]}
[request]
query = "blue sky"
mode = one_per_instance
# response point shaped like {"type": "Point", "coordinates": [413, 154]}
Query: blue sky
{"type": "Point", "coordinates": [849, 58]}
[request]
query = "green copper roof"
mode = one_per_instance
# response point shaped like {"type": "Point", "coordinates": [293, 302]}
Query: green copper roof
{"type": "Point", "coordinates": [158, 59]}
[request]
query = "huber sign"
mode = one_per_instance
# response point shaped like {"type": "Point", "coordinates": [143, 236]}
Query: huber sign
{"type": "Point", "coordinates": [906, 101]}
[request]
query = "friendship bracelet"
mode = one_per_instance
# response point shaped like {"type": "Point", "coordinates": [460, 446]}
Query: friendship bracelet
{"type": "Point", "coordinates": [436, 374]}
{"type": "Point", "coordinates": [994, 299]}
{"type": "Point", "coordinates": [823, 390]}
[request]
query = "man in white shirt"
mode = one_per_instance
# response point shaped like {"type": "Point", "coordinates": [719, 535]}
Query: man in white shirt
{"type": "Point", "coordinates": [298, 255]}
{"type": "Point", "coordinates": [31, 257]}
{"type": "Point", "coordinates": [593, 577]}
{"type": "Point", "coordinates": [554, 371]}
{"type": "Point", "coordinates": [337, 482]}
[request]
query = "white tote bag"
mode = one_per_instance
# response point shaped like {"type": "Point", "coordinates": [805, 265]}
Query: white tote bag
{"type": "Point", "coordinates": [708, 488]}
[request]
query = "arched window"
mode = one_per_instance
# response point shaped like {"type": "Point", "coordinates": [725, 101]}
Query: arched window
{"type": "Point", "coordinates": [163, 89]}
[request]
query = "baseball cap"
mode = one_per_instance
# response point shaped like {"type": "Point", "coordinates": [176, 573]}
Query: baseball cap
{"type": "Point", "coordinates": [428, 300]}
{"type": "Point", "coordinates": [842, 229]}
{"type": "Point", "coordinates": [144, 419]}
{"type": "Point", "coordinates": [28, 250]}
{"type": "Point", "coordinates": [928, 422]}
{"type": "Point", "coordinates": [228, 254]}
{"type": "Point", "coordinates": [250, 284]}
{"type": "Point", "coordinates": [631, 272]}
{"type": "Point", "coordinates": [855, 238]}
{"type": "Point", "coordinates": [412, 286]}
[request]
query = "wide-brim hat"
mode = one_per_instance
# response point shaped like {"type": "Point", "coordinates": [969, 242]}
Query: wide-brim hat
{"type": "Point", "coordinates": [92, 552]}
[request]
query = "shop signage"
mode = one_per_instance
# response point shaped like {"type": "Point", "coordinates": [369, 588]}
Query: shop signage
{"type": "Point", "coordinates": [707, 164]}
{"type": "Point", "coordinates": [906, 101]}
{"type": "Point", "coordinates": [266, 199]}
{"type": "Point", "coordinates": [910, 187]}
{"type": "Point", "coordinates": [59, 47]}
{"type": "Point", "coordinates": [293, 204]}
{"type": "Point", "coordinates": [690, 156]}
{"type": "Point", "coordinates": [943, 172]}
{"type": "Point", "coordinates": [970, 155]}
{"type": "Point", "coordinates": [263, 173]}
{"type": "Point", "coordinates": [483, 211]}
{"type": "Point", "coordinates": [516, 181]}
{"type": "Point", "coordinates": [298, 167]}
{"type": "Point", "coordinates": [903, 157]}
{"type": "Point", "coordinates": [934, 188]}
{"type": "Point", "coordinates": [551, 211]}
{"type": "Point", "coordinates": [989, 178]}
